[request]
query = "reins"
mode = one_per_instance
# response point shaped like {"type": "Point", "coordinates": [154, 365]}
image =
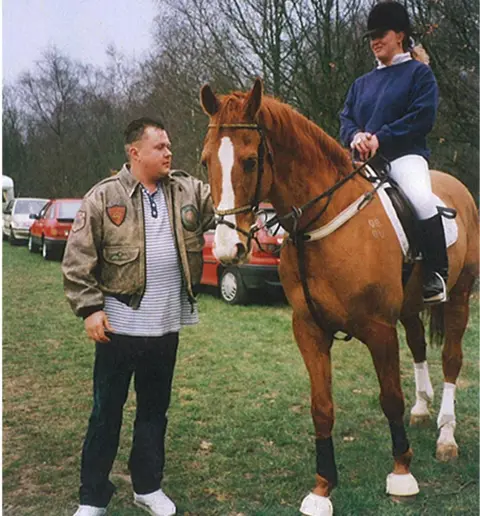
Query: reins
{"type": "Point", "coordinates": [297, 213]}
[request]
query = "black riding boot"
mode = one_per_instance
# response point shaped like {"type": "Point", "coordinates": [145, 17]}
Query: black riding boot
{"type": "Point", "coordinates": [435, 267]}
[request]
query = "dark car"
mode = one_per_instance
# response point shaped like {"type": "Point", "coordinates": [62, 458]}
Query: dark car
{"type": "Point", "coordinates": [236, 282]}
{"type": "Point", "coordinates": [52, 225]}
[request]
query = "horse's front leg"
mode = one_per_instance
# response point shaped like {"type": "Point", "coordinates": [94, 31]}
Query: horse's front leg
{"type": "Point", "coordinates": [315, 344]}
{"type": "Point", "coordinates": [382, 341]}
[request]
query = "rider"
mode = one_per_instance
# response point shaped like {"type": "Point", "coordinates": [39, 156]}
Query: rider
{"type": "Point", "coordinates": [392, 109]}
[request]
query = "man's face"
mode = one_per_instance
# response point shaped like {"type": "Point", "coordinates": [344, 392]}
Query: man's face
{"type": "Point", "coordinates": [153, 153]}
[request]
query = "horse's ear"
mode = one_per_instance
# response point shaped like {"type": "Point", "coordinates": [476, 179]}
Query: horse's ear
{"type": "Point", "coordinates": [208, 100]}
{"type": "Point", "coordinates": [254, 100]}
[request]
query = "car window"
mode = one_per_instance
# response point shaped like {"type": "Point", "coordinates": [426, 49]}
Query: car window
{"type": "Point", "coordinates": [27, 206]}
{"type": "Point", "coordinates": [68, 210]}
{"type": "Point", "coordinates": [50, 212]}
{"type": "Point", "coordinates": [41, 213]}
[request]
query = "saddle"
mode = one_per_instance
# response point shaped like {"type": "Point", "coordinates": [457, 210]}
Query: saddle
{"type": "Point", "coordinates": [402, 215]}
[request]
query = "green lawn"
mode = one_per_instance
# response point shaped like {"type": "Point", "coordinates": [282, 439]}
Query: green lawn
{"type": "Point", "coordinates": [240, 439]}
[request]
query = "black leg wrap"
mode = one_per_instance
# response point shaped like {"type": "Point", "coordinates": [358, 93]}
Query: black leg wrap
{"type": "Point", "coordinates": [326, 466]}
{"type": "Point", "coordinates": [400, 442]}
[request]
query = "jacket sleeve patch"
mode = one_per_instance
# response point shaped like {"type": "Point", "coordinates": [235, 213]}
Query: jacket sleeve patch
{"type": "Point", "coordinates": [79, 222]}
{"type": "Point", "coordinates": [190, 217]}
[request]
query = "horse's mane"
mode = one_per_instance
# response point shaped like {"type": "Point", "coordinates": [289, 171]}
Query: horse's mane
{"type": "Point", "coordinates": [293, 129]}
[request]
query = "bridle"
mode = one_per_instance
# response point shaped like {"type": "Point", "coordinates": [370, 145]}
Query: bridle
{"type": "Point", "coordinates": [252, 206]}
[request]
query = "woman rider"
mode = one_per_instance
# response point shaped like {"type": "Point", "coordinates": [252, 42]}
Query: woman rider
{"type": "Point", "coordinates": [391, 110]}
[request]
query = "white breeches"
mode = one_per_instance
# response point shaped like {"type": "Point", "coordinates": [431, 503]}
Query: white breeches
{"type": "Point", "coordinates": [412, 174]}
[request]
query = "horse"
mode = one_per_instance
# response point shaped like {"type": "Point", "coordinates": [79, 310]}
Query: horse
{"type": "Point", "coordinates": [258, 148]}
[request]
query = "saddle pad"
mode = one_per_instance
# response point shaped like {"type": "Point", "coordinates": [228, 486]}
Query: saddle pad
{"type": "Point", "coordinates": [449, 225]}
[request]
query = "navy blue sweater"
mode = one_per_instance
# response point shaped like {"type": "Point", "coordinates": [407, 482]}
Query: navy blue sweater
{"type": "Point", "coordinates": [397, 103]}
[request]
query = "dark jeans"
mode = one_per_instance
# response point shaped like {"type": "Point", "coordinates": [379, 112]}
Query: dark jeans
{"type": "Point", "coordinates": [152, 360]}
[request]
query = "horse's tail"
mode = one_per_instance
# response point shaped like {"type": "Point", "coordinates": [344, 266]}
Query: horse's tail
{"type": "Point", "coordinates": [436, 315]}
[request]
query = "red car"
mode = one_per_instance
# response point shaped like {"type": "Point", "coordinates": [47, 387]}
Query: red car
{"type": "Point", "coordinates": [51, 227]}
{"type": "Point", "coordinates": [235, 282]}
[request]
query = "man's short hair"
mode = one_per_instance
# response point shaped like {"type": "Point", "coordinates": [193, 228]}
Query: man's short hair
{"type": "Point", "coordinates": [136, 128]}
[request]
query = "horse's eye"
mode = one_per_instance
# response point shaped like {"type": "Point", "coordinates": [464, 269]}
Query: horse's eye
{"type": "Point", "coordinates": [249, 164]}
{"type": "Point", "coordinates": [204, 164]}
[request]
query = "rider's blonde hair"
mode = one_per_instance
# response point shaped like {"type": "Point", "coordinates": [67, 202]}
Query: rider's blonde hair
{"type": "Point", "coordinates": [420, 54]}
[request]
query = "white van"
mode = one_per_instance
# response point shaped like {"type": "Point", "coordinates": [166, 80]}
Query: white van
{"type": "Point", "coordinates": [7, 190]}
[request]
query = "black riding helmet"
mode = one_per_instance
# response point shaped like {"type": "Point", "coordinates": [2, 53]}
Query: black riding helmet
{"type": "Point", "coordinates": [387, 16]}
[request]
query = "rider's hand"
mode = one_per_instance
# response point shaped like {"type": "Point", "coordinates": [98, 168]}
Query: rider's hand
{"type": "Point", "coordinates": [373, 144]}
{"type": "Point", "coordinates": [360, 143]}
{"type": "Point", "coordinates": [95, 326]}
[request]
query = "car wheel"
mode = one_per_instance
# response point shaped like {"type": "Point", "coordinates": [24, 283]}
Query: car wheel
{"type": "Point", "coordinates": [46, 252]}
{"type": "Point", "coordinates": [232, 288]}
{"type": "Point", "coordinates": [31, 246]}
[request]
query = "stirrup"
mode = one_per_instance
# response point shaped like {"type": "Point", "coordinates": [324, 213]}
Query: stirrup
{"type": "Point", "coordinates": [441, 297]}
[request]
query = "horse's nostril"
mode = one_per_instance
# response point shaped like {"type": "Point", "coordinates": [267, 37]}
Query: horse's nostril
{"type": "Point", "coordinates": [241, 251]}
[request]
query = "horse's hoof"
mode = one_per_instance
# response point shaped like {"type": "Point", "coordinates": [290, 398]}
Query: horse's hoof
{"type": "Point", "coordinates": [446, 452]}
{"type": "Point", "coordinates": [402, 485]}
{"type": "Point", "coordinates": [315, 505]}
{"type": "Point", "coordinates": [421, 420]}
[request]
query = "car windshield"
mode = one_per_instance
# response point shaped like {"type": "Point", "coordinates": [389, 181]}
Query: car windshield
{"type": "Point", "coordinates": [27, 206]}
{"type": "Point", "coordinates": [68, 210]}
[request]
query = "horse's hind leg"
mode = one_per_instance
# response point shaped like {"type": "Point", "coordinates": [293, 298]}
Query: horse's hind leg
{"type": "Point", "coordinates": [382, 341]}
{"type": "Point", "coordinates": [415, 333]}
{"type": "Point", "coordinates": [456, 319]}
{"type": "Point", "coordinates": [315, 344]}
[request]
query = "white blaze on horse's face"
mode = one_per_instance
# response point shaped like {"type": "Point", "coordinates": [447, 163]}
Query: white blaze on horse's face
{"type": "Point", "coordinates": [226, 239]}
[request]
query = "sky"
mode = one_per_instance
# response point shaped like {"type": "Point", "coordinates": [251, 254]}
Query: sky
{"type": "Point", "coordinates": [80, 29]}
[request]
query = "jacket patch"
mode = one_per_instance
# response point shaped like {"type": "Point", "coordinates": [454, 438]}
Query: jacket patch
{"type": "Point", "coordinates": [117, 214]}
{"type": "Point", "coordinates": [79, 222]}
{"type": "Point", "coordinates": [190, 217]}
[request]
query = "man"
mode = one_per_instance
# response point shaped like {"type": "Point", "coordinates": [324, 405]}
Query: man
{"type": "Point", "coordinates": [131, 264]}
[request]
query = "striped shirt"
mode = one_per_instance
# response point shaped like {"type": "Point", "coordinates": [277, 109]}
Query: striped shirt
{"type": "Point", "coordinates": [165, 307]}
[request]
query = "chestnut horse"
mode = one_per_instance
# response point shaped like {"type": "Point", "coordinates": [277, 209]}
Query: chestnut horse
{"type": "Point", "coordinates": [258, 148]}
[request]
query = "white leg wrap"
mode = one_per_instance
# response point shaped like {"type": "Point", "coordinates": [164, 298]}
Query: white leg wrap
{"type": "Point", "coordinates": [420, 408]}
{"type": "Point", "coordinates": [447, 409]}
{"type": "Point", "coordinates": [423, 390]}
{"type": "Point", "coordinates": [423, 386]}
{"type": "Point", "coordinates": [402, 485]}
{"type": "Point", "coordinates": [315, 505]}
{"type": "Point", "coordinates": [447, 435]}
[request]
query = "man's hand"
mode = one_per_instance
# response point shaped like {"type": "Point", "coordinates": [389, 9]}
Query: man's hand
{"type": "Point", "coordinates": [365, 144]}
{"type": "Point", "coordinates": [95, 326]}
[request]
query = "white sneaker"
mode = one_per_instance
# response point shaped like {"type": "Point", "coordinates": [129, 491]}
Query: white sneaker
{"type": "Point", "coordinates": [89, 510]}
{"type": "Point", "coordinates": [156, 503]}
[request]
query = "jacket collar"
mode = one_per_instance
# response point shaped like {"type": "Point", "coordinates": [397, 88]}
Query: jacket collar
{"type": "Point", "coordinates": [129, 182]}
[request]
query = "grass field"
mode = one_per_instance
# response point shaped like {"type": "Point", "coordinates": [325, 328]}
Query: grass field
{"type": "Point", "coordinates": [240, 439]}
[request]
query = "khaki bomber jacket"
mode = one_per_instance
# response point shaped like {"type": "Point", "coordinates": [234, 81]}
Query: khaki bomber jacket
{"type": "Point", "coordinates": [105, 252]}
